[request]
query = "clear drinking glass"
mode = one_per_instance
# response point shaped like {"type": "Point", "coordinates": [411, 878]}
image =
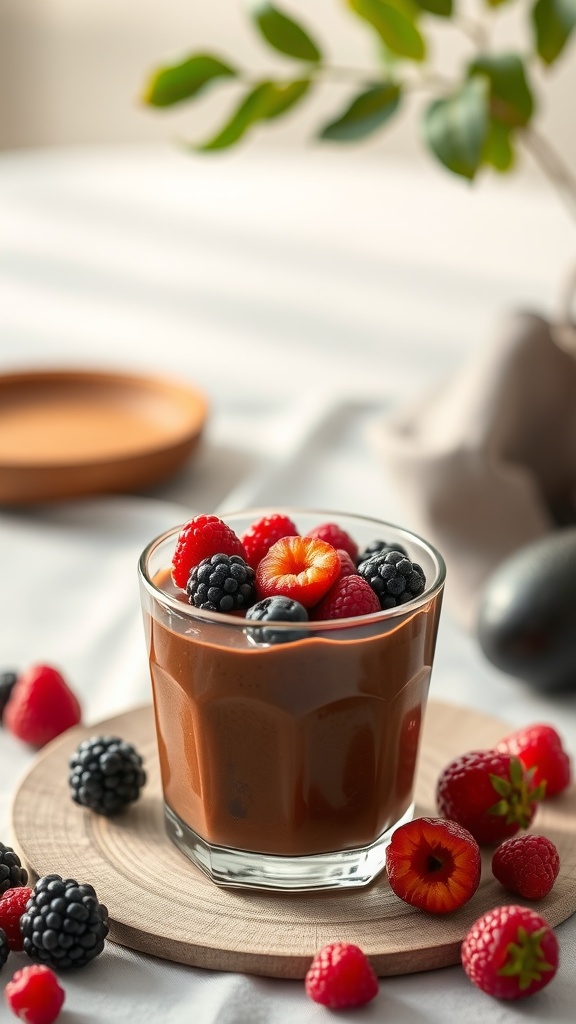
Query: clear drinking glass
{"type": "Point", "coordinates": [289, 765]}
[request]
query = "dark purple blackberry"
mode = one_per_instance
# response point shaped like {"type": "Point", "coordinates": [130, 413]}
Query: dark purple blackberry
{"type": "Point", "coordinates": [376, 547]}
{"type": "Point", "coordinates": [12, 874]}
{"type": "Point", "coordinates": [7, 682]}
{"type": "Point", "coordinates": [4, 948]}
{"type": "Point", "coordinates": [276, 609]}
{"type": "Point", "coordinates": [393, 577]}
{"type": "Point", "coordinates": [106, 774]}
{"type": "Point", "coordinates": [63, 925]}
{"type": "Point", "coordinates": [222, 583]}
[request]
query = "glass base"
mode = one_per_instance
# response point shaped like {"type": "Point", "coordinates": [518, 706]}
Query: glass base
{"type": "Point", "coordinates": [348, 869]}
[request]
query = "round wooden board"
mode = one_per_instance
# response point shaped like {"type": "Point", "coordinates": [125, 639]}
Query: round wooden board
{"type": "Point", "coordinates": [160, 904]}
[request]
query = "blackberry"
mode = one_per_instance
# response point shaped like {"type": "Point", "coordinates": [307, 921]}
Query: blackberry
{"type": "Point", "coordinates": [7, 682]}
{"type": "Point", "coordinates": [63, 925]}
{"type": "Point", "coordinates": [393, 577]}
{"type": "Point", "coordinates": [4, 948]}
{"type": "Point", "coordinates": [106, 774]}
{"type": "Point", "coordinates": [276, 609]}
{"type": "Point", "coordinates": [376, 547]}
{"type": "Point", "coordinates": [12, 874]}
{"type": "Point", "coordinates": [222, 583]}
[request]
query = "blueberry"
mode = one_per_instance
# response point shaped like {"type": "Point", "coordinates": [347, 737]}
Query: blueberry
{"type": "Point", "coordinates": [277, 609]}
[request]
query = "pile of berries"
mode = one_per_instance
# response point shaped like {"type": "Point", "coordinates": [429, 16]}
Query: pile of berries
{"type": "Point", "coordinates": [273, 573]}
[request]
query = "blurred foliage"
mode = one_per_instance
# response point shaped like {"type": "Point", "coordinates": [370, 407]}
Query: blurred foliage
{"type": "Point", "coordinates": [468, 122]}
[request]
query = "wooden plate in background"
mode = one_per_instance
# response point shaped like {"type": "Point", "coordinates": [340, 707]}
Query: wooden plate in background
{"type": "Point", "coordinates": [70, 434]}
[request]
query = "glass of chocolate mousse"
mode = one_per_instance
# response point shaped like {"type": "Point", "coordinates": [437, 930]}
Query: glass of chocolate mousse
{"type": "Point", "coordinates": [288, 752]}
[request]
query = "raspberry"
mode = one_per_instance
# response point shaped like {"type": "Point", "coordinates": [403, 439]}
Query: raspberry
{"type": "Point", "coordinates": [488, 793]}
{"type": "Point", "coordinates": [526, 865]}
{"type": "Point", "coordinates": [106, 774]}
{"type": "Point", "coordinates": [12, 905]}
{"type": "Point", "coordinates": [348, 596]}
{"type": "Point", "coordinates": [7, 683]}
{"type": "Point", "coordinates": [41, 706]}
{"type": "Point", "coordinates": [540, 747]}
{"type": "Point", "coordinates": [347, 566]}
{"type": "Point", "coordinates": [35, 995]}
{"type": "Point", "coordinates": [340, 976]}
{"type": "Point", "coordinates": [510, 952]}
{"type": "Point", "coordinates": [222, 583]}
{"type": "Point", "coordinates": [260, 537]}
{"type": "Point", "coordinates": [393, 577]}
{"type": "Point", "coordinates": [276, 609]}
{"type": "Point", "coordinates": [332, 534]}
{"type": "Point", "coordinates": [433, 864]}
{"type": "Point", "coordinates": [200, 538]}
{"type": "Point", "coordinates": [12, 874]}
{"type": "Point", "coordinates": [302, 568]}
{"type": "Point", "coordinates": [64, 925]}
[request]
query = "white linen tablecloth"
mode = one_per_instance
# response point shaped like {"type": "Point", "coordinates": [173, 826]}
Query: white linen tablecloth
{"type": "Point", "coordinates": [305, 296]}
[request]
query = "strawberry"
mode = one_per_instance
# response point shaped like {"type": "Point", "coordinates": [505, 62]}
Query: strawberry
{"type": "Point", "coordinates": [433, 864]}
{"type": "Point", "coordinates": [332, 534]}
{"type": "Point", "coordinates": [510, 952]}
{"type": "Point", "coordinates": [201, 538]}
{"type": "Point", "coordinates": [540, 747]}
{"type": "Point", "coordinates": [527, 865]}
{"type": "Point", "coordinates": [260, 537]}
{"type": "Point", "coordinates": [41, 706]}
{"type": "Point", "coordinates": [347, 566]}
{"type": "Point", "coordinates": [35, 995]}
{"type": "Point", "coordinates": [12, 905]}
{"type": "Point", "coordinates": [348, 596]}
{"type": "Point", "coordinates": [489, 793]}
{"type": "Point", "coordinates": [340, 976]}
{"type": "Point", "coordinates": [301, 568]}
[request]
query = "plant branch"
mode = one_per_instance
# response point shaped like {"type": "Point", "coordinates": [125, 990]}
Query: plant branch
{"type": "Point", "coordinates": [552, 165]}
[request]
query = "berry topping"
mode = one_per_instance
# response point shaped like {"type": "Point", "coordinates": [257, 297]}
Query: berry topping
{"type": "Point", "coordinates": [540, 747]}
{"type": "Point", "coordinates": [200, 538]}
{"type": "Point", "coordinates": [347, 566]}
{"type": "Point", "coordinates": [348, 596]}
{"type": "Point", "coordinates": [341, 976]}
{"type": "Point", "coordinates": [303, 568]}
{"type": "Point", "coordinates": [41, 706]}
{"type": "Point", "coordinates": [260, 537]}
{"type": "Point", "coordinates": [433, 864]}
{"type": "Point", "coordinates": [488, 793]}
{"type": "Point", "coordinates": [510, 952]}
{"type": "Point", "coordinates": [221, 583]}
{"type": "Point", "coordinates": [276, 609]}
{"type": "Point", "coordinates": [378, 547]}
{"type": "Point", "coordinates": [12, 905]}
{"type": "Point", "coordinates": [526, 865]}
{"type": "Point", "coordinates": [64, 925]}
{"type": "Point", "coordinates": [332, 534]}
{"type": "Point", "coordinates": [7, 682]}
{"type": "Point", "coordinates": [393, 578]}
{"type": "Point", "coordinates": [106, 774]}
{"type": "Point", "coordinates": [12, 874]}
{"type": "Point", "coordinates": [4, 948]}
{"type": "Point", "coordinates": [35, 995]}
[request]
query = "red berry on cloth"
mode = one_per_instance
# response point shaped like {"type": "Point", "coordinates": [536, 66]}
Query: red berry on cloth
{"type": "Point", "coordinates": [527, 865]}
{"type": "Point", "coordinates": [347, 566]}
{"type": "Point", "coordinates": [260, 537]}
{"type": "Point", "coordinates": [332, 534]}
{"type": "Point", "coordinates": [35, 995]}
{"type": "Point", "coordinates": [488, 793]}
{"type": "Point", "coordinates": [301, 568]}
{"type": "Point", "coordinates": [41, 706]}
{"type": "Point", "coordinates": [348, 596]}
{"type": "Point", "coordinates": [12, 905]}
{"type": "Point", "coordinates": [340, 976]}
{"type": "Point", "coordinates": [199, 538]}
{"type": "Point", "coordinates": [540, 747]}
{"type": "Point", "coordinates": [510, 952]}
{"type": "Point", "coordinates": [433, 864]}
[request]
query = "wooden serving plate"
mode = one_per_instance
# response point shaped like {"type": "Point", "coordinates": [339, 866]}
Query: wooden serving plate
{"type": "Point", "coordinates": [69, 434]}
{"type": "Point", "coordinates": [160, 904]}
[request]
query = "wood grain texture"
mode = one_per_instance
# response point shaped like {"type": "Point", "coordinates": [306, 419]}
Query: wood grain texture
{"type": "Point", "coordinates": [160, 904]}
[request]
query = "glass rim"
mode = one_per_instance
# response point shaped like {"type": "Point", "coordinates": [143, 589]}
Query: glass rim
{"type": "Point", "coordinates": [311, 626]}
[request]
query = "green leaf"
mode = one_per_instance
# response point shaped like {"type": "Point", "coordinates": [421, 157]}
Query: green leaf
{"type": "Point", "coordinates": [498, 150]}
{"type": "Point", "coordinates": [394, 23]}
{"type": "Point", "coordinates": [511, 100]}
{"type": "Point", "coordinates": [553, 21]}
{"type": "Point", "coordinates": [443, 8]}
{"type": "Point", "coordinates": [367, 112]}
{"type": "Point", "coordinates": [265, 102]}
{"type": "Point", "coordinates": [496, 3]}
{"type": "Point", "coordinates": [284, 34]}
{"type": "Point", "coordinates": [455, 128]}
{"type": "Point", "coordinates": [502, 786]}
{"type": "Point", "coordinates": [179, 82]}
